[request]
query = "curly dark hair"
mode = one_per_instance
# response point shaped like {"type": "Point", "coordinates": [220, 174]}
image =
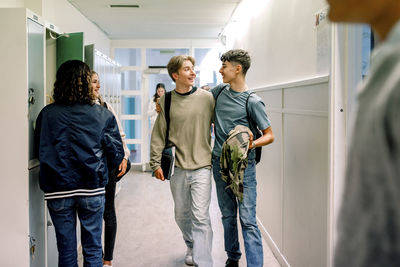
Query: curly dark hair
{"type": "Point", "coordinates": [73, 84]}
{"type": "Point", "coordinates": [238, 56]}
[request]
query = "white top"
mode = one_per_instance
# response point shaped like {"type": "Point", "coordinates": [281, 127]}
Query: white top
{"type": "Point", "coordinates": [121, 129]}
{"type": "Point", "coordinates": [151, 112]}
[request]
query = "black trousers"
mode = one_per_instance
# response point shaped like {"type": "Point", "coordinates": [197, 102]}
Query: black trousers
{"type": "Point", "coordinates": [110, 217]}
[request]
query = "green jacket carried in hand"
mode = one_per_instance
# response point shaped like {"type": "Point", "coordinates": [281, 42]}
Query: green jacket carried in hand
{"type": "Point", "coordinates": [234, 159]}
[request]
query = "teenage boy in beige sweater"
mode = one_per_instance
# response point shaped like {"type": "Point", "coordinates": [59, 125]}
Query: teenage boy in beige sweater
{"type": "Point", "coordinates": [191, 114]}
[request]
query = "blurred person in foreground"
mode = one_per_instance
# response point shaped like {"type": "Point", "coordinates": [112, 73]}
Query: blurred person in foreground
{"type": "Point", "coordinates": [369, 220]}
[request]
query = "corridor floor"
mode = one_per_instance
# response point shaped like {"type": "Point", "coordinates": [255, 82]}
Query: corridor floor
{"type": "Point", "coordinates": [147, 234]}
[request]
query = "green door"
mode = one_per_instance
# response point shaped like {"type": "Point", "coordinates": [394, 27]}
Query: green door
{"type": "Point", "coordinates": [70, 46]}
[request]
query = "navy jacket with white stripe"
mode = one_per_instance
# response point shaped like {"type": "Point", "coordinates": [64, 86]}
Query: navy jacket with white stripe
{"type": "Point", "coordinates": [76, 144]}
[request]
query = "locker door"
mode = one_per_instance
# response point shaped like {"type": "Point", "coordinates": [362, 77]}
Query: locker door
{"type": "Point", "coordinates": [70, 46]}
{"type": "Point", "coordinates": [35, 104]}
{"type": "Point", "coordinates": [89, 56]}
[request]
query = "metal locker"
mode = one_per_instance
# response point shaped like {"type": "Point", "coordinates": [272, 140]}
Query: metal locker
{"type": "Point", "coordinates": [37, 242]}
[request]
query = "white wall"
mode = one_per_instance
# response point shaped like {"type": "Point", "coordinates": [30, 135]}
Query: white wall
{"type": "Point", "coordinates": [12, 3]}
{"type": "Point", "coordinates": [66, 17]}
{"type": "Point", "coordinates": [14, 140]}
{"type": "Point", "coordinates": [281, 37]}
{"type": "Point", "coordinates": [293, 175]}
{"type": "Point", "coordinates": [63, 15]}
{"type": "Point", "coordinates": [346, 75]}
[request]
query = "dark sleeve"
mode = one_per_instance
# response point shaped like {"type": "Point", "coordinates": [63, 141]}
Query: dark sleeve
{"type": "Point", "coordinates": [112, 143]}
{"type": "Point", "coordinates": [37, 130]}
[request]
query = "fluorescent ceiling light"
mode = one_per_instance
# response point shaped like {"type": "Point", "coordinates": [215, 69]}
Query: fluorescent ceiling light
{"type": "Point", "coordinates": [124, 6]}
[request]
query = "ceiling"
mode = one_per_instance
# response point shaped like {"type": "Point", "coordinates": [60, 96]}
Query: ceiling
{"type": "Point", "coordinates": [189, 19]}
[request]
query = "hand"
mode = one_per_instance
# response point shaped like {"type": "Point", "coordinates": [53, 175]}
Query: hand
{"type": "Point", "coordinates": [159, 174]}
{"type": "Point", "coordinates": [251, 136]}
{"type": "Point", "coordinates": [158, 107]}
{"type": "Point", "coordinates": [122, 167]}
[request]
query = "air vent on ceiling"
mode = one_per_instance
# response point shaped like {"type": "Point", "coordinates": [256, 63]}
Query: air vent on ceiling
{"type": "Point", "coordinates": [124, 6]}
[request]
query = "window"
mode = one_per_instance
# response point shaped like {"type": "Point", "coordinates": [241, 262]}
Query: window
{"type": "Point", "coordinates": [367, 47]}
{"type": "Point", "coordinates": [131, 105]}
{"type": "Point", "coordinates": [132, 128]}
{"type": "Point", "coordinates": [161, 56]}
{"type": "Point", "coordinates": [131, 80]}
{"type": "Point", "coordinates": [207, 66]}
{"type": "Point", "coordinates": [128, 56]}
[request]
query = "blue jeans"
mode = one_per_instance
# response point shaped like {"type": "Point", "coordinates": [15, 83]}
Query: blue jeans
{"type": "Point", "coordinates": [63, 213]}
{"type": "Point", "coordinates": [229, 204]}
{"type": "Point", "coordinates": [191, 190]}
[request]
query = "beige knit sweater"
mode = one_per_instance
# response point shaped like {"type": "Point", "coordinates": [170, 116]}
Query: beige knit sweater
{"type": "Point", "coordinates": [190, 130]}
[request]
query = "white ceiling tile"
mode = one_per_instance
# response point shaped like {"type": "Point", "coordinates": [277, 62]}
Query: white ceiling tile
{"type": "Point", "coordinates": [158, 18]}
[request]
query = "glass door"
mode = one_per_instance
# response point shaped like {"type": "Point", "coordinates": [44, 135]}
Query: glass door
{"type": "Point", "coordinates": [131, 110]}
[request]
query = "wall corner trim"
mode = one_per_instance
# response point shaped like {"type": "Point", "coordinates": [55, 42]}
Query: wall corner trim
{"type": "Point", "coordinates": [295, 83]}
{"type": "Point", "coordinates": [272, 245]}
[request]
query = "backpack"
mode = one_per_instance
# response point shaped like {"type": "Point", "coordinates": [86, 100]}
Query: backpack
{"type": "Point", "coordinates": [254, 128]}
{"type": "Point", "coordinates": [168, 154]}
{"type": "Point", "coordinates": [252, 125]}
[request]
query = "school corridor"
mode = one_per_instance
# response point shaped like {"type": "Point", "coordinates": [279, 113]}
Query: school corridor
{"type": "Point", "coordinates": [304, 68]}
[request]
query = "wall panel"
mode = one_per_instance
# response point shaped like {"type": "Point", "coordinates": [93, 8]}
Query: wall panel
{"type": "Point", "coordinates": [293, 176]}
{"type": "Point", "coordinates": [269, 171]}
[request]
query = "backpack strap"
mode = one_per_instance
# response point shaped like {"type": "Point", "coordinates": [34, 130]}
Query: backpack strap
{"type": "Point", "coordinates": [167, 107]}
{"type": "Point", "coordinates": [215, 107]}
{"type": "Point", "coordinates": [254, 129]}
{"type": "Point", "coordinates": [220, 91]}
{"type": "Point", "coordinates": [249, 119]}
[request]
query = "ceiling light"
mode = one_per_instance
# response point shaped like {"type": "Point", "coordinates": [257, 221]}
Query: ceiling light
{"type": "Point", "coordinates": [124, 6]}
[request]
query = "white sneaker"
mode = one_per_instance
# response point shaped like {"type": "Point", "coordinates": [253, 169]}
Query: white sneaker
{"type": "Point", "coordinates": [107, 265]}
{"type": "Point", "coordinates": [189, 257]}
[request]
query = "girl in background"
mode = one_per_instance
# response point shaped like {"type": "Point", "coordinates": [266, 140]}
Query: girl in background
{"type": "Point", "coordinates": [154, 109]}
{"type": "Point", "coordinates": [110, 218]}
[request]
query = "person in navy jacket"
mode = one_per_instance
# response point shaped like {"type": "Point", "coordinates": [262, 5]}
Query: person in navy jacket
{"type": "Point", "coordinates": [77, 142]}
